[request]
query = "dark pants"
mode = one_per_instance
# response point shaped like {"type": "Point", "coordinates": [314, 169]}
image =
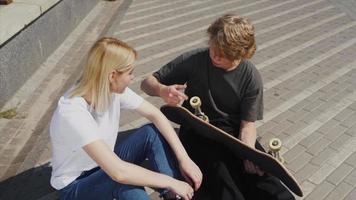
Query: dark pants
{"type": "Point", "coordinates": [224, 176]}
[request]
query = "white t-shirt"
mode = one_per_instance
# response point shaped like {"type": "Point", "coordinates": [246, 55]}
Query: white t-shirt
{"type": "Point", "coordinates": [73, 126]}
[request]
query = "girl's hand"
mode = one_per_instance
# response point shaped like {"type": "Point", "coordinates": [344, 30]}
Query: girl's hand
{"type": "Point", "coordinates": [183, 189]}
{"type": "Point", "coordinates": [191, 173]}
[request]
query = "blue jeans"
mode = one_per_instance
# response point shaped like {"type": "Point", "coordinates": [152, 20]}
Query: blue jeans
{"type": "Point", "coordinates": [146, 142]}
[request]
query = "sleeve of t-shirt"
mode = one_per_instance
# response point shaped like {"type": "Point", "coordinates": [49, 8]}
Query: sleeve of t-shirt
{"type": "Point", "coordinates": [78, 125]}
{"type": "Point", "coordinates": [176, 71]}
{"type": "Point", "coordinates": [252, 101]}
{"type": "Point", "coordinates": [130, 100]}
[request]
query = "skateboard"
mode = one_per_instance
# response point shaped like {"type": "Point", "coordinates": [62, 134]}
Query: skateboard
{"type": "Point", "coordinates": [199, 122]}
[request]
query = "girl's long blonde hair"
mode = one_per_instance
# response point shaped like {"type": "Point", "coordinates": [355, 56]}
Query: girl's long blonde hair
{"type": "Point", "coordinates": [106, 55]}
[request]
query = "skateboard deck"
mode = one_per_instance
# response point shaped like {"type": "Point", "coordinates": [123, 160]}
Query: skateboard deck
{"type": "Point", "coordinates": [264, 161]}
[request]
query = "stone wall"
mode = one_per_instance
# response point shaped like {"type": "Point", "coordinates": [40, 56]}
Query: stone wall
{"type": "Point", "coordinates": [25, 51]}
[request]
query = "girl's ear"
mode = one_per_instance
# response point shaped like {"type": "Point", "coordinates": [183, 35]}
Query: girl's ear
{"type": "Point", "coordinates": [111, 76]}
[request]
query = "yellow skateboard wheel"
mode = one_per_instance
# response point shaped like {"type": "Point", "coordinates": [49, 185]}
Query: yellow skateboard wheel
{"type": "Point", "coordinates": [275, 144]}
{"type": "Point", "coordinates": [195, 102]}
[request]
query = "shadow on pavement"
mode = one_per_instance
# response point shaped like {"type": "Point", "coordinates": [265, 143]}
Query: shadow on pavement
{"type": "Point", "coordinates": [32, 184]}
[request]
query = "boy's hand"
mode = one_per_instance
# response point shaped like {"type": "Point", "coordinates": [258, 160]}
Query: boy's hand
{"type": "Point", "coordinates": [252, 168]}
{"type": "Point", "coordinates": [173, 94]}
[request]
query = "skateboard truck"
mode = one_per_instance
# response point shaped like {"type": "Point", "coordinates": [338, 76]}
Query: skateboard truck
{"type": "Point", "coordinates": [275, 145]}
{"type": "Point", "coordinates": [195, 102]}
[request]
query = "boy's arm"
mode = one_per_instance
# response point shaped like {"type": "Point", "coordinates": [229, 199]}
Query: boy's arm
{"type": "Point", "coordinates": [248, 135]}
{"type": "Point", "coordinates": [169, 81]}
{"type": "Point", "coordinates": [172, 95]}
{"type": "Point", "coordinates": [151, 86]}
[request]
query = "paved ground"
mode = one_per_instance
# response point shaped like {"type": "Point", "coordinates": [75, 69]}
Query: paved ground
{"type": "Point", "coordinates": [306, 55]}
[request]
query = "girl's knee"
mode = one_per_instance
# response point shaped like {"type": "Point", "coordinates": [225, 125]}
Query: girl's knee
{"type": "Point", "coordinates": [126, 192]}
{"type": "Point", "coordinates": [150, 131]}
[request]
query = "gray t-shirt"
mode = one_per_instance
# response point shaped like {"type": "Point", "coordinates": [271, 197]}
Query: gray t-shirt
{"type": "Point", "coordinates": [227, 96]}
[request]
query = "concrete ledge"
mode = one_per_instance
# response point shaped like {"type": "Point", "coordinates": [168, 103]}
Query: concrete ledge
{"type": "Point", "coordinates": [19, 14]}
{"type": "Point", "coordinates": [26, 50]}
{"type": "Point", "coordinates": [44, 5]}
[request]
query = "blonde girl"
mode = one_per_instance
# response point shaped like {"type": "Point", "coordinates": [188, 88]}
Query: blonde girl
{"type": "Point", "coordinates": [87, 160]}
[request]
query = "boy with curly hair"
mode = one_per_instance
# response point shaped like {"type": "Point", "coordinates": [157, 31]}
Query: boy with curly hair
{"type": "Point", "coordinates": [231, 91]}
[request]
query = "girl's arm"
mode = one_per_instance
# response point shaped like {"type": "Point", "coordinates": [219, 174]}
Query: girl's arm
{"type": "Point", "coordinates": [189, 169]}
{"type": "Point", "coordinates": [127, 173]}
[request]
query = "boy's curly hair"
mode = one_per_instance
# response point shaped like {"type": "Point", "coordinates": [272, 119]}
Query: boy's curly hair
{"type": "Point", "coordinates": [233, 37]}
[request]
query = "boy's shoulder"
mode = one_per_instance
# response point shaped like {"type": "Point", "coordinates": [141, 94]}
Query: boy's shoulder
{"type": "Point", "coordinates": [196, 53]}
{"type": "Point", "coordinates": [251, 72]}
{"type": "Point", "coordinates": [249, 67]}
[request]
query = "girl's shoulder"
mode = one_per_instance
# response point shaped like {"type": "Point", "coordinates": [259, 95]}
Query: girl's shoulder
{"type": "Point", "coordinates": [71, 105]}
